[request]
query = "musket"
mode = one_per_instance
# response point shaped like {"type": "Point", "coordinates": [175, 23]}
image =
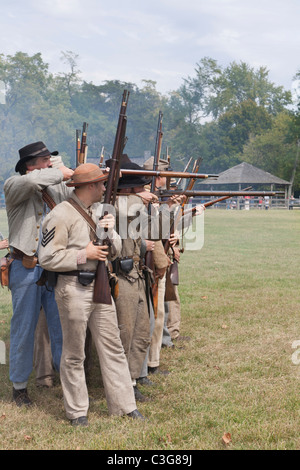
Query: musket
{"type": "Point", "coordinates": [168, 156]}
{"type": "Point", "coordinates": [192, 179]}
{"type": "Point", "coordinates": [229, 194]}
{"type": "Point", "coordinates": [102, 290]}
{"type": "Point", "coordinates": [101, 158]}
{"type": "Point", "coordinates": [215, 201]}
{"type": "Point", "coordinates": [77, 147]}
{"type": "Point", "coordinates": [158, 142]}
{"type": "Point", "coordinates": [185, 170]}
{"type": "Point", "coordinates": [83, 146]}
{"type": "Point", "coordinates": [149, 262]}
{"type": "Point", "coordinates": [169, 164]}
{"type": "Point", "coordinates": [195, 169]}
{"type": "Point", "coordinates": [167, 174]}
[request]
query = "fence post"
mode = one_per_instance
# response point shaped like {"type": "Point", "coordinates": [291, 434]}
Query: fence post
{"type": "Point", "coordinates": [2, 353]}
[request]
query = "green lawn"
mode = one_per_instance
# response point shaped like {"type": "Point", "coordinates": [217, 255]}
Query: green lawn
{"type": "Point", "coordinates": [239, 374]}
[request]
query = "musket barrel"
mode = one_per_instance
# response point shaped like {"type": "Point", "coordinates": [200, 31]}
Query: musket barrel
{"type": "Point", "coordinates": [168, 174]}
{"type": "Point", "coordinates": [219, 193]}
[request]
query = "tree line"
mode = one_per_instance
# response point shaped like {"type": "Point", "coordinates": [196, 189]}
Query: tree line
{"type": "Point", "coordinates": [225, 115]}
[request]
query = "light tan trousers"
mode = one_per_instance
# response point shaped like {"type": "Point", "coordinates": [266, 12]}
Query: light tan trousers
{"type": "Point", "coordinates": [156, 340]}
{"type": "Point", "coordinates": [77, 312]}
{"type": "Point", "coordinates": [134, 323]}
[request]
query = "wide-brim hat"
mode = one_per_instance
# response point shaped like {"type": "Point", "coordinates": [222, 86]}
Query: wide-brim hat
{"type": "Point", "coordinates": [163, 165]}
{"type": "Point", "coordinates": [85, 174]}
{"type": "Point", "coordinates": [132, 181]}
{"type": "Point", "coordinates": [124, 159]}
{"type": "Point", "coordinates": [37, 149]}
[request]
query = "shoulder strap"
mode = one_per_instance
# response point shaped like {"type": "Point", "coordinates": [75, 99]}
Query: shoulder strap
{"type": "Point", "coordinates": [88, 219]}
{"type": "Point", "coordinates": [48, 199]}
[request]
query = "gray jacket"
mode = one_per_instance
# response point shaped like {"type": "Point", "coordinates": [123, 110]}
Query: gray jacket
{"type": "Point", "coordinates": [25, 206]}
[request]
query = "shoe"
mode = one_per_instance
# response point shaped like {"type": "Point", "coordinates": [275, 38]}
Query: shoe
{"type": "Point", "coordinates": [21, 398]}
{"type": "Point", "coordinates": [135, 414]}
{"type": "Point", "coordinates": [171, 346]}
{"type": "Point", "coordinates": [81, 421]}
{"type": "Point", "coordinates": [145, 381]}
{"type": "Point", "coordinates": [138, 395]}
{"type": "Point", "coordinates": [156, 370]}
{"type": "Point", "coordinates": [44, 383]}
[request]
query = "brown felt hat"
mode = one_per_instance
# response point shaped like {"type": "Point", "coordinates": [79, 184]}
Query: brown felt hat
{"type": "Point", "coordinates": [87, 173]}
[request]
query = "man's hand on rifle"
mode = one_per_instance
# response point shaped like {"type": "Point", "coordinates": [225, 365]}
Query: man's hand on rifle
{"type": "Point", "coordinates": [176, 199]}
{"type": "Point", "coordinates": [56, 161]}
{"type": "Point", "coordinates": [173, 240]}
{"type": "Point", "coordinates": [67, 172]}
{"type": "Point", "coordinates": [107, 222]}
{"type": "Point", "coordinates": [147, 197]}
{"type": "Point", "coordinates": [96, 252]}
{"type": "Point", "coordinates": [4, 244]}
{"type": "Point", "coordinates": [199, 209]}
{"type": "Point", "coordinates": [149, 245]}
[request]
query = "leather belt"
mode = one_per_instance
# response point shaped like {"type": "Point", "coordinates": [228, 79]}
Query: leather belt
{"type": "Point", "coordinates": [29, 262]}
{"type": "Point", "coordinates": [17, 254]}
{"type": "Point", "coordinates": [136, 258]}
{"type": "Point", "coordinates": [85, 278]}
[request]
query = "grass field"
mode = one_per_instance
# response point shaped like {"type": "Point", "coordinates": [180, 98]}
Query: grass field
{"type": "Point", "coordinates": [239, 374]}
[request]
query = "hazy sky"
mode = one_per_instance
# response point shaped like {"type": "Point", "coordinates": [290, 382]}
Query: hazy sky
{"type": "Point", "coordinates": [131, 40]}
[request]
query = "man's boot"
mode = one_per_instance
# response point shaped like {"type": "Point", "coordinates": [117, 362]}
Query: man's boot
{"type": "Point", "coordinates": [21, 398]}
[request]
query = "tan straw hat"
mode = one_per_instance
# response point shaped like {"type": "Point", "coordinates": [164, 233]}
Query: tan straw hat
{"type": "Point", "coordinates": [163, 165]}
{"type": "Point", "coordinates": [85, 174]}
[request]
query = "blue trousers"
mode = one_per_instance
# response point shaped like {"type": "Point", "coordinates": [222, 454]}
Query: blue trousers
{"type": "Point", "coordinates": [27, 300]}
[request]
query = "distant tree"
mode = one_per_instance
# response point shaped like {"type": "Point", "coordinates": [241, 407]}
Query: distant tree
{"type": "Point", "coordinates": [241, 121]}
{"type": "Point", "coordinates": [215, 90]}
{"type": "Point", "coordinates": [275, 149]}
